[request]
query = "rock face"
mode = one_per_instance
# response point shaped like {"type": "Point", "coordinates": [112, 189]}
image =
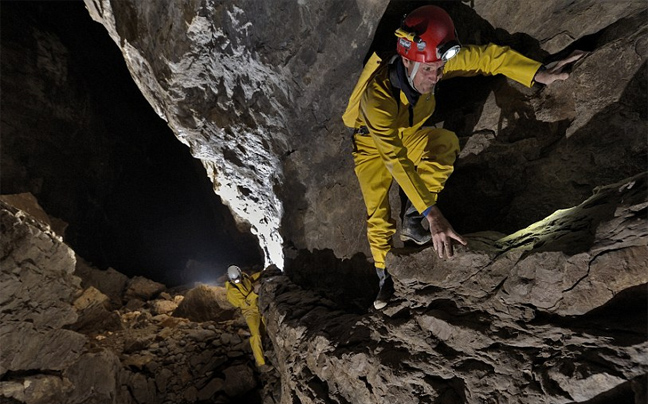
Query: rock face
{"type": "Point", "coordinates": [245, 94]}
{"type": "Point", "coordinates": [36, 274]}
{"type": "Point", "coordinates": [40, 357]}
{"type": "Point", "coordinates": [510, 319]}
{"type": "Point", "coordinates": [259, 104]}
{"type": "Point", "coordinates": [557, 24]}
{"type": "Point", "coordinates": [79, 136]}
{"type": "Point", "coordinates": [546, 304]}
{"type": "Point", "coordinates": [64, 343]}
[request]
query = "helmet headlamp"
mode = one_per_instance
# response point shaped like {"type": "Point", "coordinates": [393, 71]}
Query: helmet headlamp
{"type": "Point", "coordinates": [448, 50]}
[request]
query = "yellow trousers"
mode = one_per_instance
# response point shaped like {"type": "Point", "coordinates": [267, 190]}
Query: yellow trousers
{"type": "Point", "coordinates": [433, 151]}
{"type": "Point", "coordinates": [254, 322]}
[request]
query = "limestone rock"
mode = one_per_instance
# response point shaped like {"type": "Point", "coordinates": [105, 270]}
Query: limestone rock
{"type": "Point", "coordinates": [191, 84]}
{"type": "Point", "coordinates": [96, 379]}
{"type": "Point", "coordinates": [508, 319]}
{"type": "Point", "coordinates": [36, 272]}
{"type": "Point", "coordinates": [537, 315]}
{"type": "Point", "coordinates": [25, 347]}
{"type": "Point", "coordinates": [161, 306]}
{"type": "Point", "coordinates": [554, 23]}
{"type": "Point", "coordinates": [28, 204]}
{"type": "Point", "coordinates": [39, 389]}
{"type": "Point", "coordinates": [110, 282]}
{"type": "Point", "coordinates": [142, 288]}
{"type": "Point", "coordinates": [94, 314]}
{"type": "Point", "coordinates": [306, 163]}
{"type": "Point", "coordinates": [108, 353]}
{"type": "Point", "coordinates": [205, 303]}
{"type": "Point", "coordinates": [37, 292]}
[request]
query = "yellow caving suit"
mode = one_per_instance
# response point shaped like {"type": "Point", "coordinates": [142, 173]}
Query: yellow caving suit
{"type": "Point", "coordinates": [390, 143]}
{"type": "Point", "coordinates": [242, 295]}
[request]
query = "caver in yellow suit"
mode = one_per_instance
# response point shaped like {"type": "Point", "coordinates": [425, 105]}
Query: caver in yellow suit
{"type": "Point", "coordinates": [388, 114]}
{"type": "Point", "coordinates": [241, 294]}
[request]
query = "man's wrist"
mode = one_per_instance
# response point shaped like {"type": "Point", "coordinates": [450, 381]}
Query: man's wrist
{"type": "Point", "coordinates": [541, 69]}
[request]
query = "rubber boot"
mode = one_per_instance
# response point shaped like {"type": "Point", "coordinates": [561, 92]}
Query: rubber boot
{"type": "Point", "coordinates": [412, 227]}
{"type": "Point", "coordinates": [386, 291]}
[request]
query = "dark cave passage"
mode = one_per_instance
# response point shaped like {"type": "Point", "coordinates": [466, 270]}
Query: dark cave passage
{"type": "Point", "coordinates": [79, 135]}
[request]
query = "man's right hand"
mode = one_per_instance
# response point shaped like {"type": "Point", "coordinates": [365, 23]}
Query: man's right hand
{"type": "Point", "coordinates": [443, 235]}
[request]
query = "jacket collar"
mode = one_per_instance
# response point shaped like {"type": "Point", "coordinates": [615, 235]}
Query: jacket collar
{"type": "Point", "coordinates": [398, 77]}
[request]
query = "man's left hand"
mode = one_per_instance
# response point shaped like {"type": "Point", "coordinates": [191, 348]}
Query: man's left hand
{"type": "Point", "coordinates": [443, 235]}
{"type": "Point", "coordinates": [554, 71]}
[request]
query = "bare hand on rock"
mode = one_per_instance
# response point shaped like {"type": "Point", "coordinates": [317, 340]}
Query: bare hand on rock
{"type": "Point", "coordinates": [443, 235]}
{"type": "Point", "coordinates": [554, 70]}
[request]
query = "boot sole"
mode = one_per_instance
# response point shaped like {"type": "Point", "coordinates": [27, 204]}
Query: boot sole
{"type": "Point", "coordinates": [405, 237]}
{"type": "Point", "coordinates": [380, 305]}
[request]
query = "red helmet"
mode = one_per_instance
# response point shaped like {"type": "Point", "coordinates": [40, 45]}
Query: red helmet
{"type": "Point", "coordinates": [426, 35]}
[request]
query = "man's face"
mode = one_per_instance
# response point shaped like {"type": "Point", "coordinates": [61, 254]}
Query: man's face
{"type": "Point", "coordinates": [427, 76]}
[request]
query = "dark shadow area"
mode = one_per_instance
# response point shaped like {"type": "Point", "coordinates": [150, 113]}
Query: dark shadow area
{"type": "Point", "coordinates": [624, 318]}
{"type": "Point", "coordinates": [79, 135]}
{"type": "Point", "coordinates": [448, 311]}
{"type": "Point", "coordinates": [621, 394]}
{"type": "Point", "coordinates": [352, 284]}
{"type": "Point", "coordinates": [512, 184]}
{"type": "Point", "coordinates": [508, 187]}
{"type": "Point", "coordinates": [609, 148]}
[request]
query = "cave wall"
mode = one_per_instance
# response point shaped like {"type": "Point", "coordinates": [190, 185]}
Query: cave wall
{"type": "Point", "coordinates": [556, 24]}
{"type": "Point", "coordinates": [259, 104]}
{"type": "Point", "coordinates": [79, 136]}
{"type": "Point", "coordinates": [554, 313]}
{"type": "Point", "coordinates": [244, 92]}
{"type": "Point", "coordinates": [75, 334]}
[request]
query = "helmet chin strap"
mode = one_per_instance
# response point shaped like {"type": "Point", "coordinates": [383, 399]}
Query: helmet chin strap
{"type": "Point", "coordinates": [410, 77]}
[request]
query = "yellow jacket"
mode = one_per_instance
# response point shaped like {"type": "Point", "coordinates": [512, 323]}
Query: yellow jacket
{"type": "Point", "coordinates": [387, 120]}
{"type": "Point", "coordinates": [242, 294]}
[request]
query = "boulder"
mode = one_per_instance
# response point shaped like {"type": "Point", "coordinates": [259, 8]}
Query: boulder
{"type": "Point", "coordinates": [206, 303]}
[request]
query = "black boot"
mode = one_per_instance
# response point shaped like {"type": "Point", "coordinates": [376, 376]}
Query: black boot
{"type": "Point", "coordinates": [386, 291]}
{"type": "Point", "coordinates": [412, 227]}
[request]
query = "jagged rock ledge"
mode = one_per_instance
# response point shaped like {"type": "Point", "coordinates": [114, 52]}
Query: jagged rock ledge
{"type": "Point", "coordinates": [510, 319]}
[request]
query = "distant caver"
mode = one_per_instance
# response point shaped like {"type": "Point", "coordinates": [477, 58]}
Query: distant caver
{"type": "Point", "coordinates": [242, 293]}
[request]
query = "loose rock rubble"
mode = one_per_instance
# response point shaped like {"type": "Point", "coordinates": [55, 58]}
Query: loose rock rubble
{"type": "Point", "coordinates": [97, 336]}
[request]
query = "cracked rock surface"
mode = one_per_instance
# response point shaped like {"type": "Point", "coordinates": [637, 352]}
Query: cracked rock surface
{"type": "Point", "coordinates": [547, 303]}
{"type": "Point", "coordinates": [509, 319]}
{"type": "Point", "coordinates": [75, 334]}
